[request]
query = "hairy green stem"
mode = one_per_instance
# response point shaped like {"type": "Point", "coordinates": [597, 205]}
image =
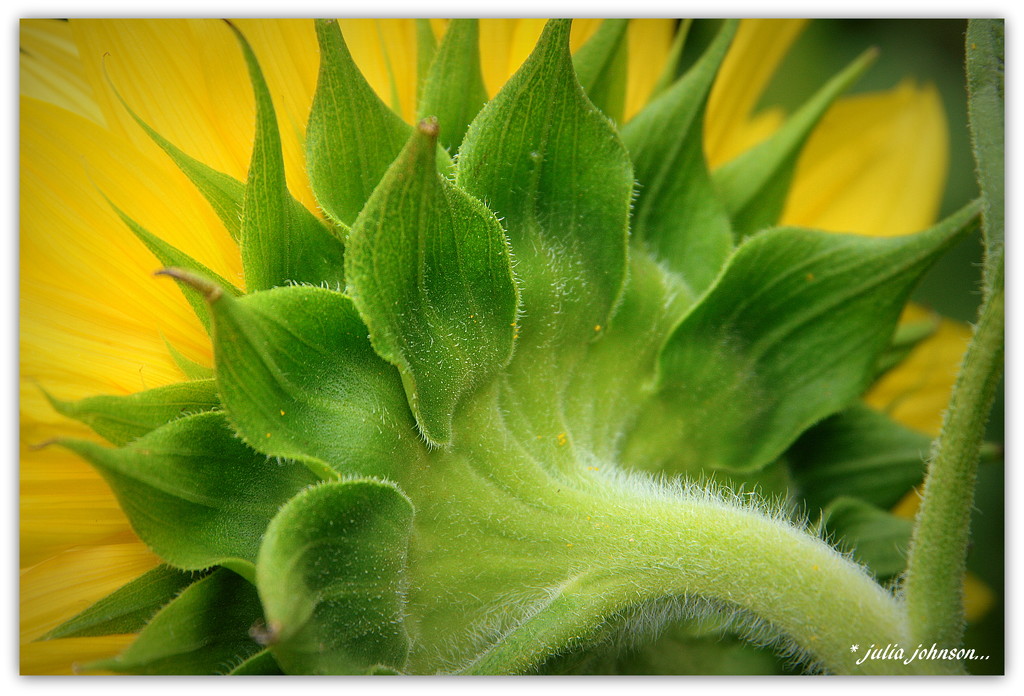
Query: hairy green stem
{"type": "Point", "coordinates": [938, 550]}
{"type": "Point", "coordinates": [589, 550]}
{"type": "Point", "coordinates": [936, 563]}
{"type": "Point", "coordinates": [789, 584]}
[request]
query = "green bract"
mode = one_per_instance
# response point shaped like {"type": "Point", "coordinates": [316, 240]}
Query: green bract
{"type": "Point", "coordinates": [428, 443]}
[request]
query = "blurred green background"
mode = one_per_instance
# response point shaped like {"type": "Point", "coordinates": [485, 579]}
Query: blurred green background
{"type": "Point", "coordinates": [929, 51]}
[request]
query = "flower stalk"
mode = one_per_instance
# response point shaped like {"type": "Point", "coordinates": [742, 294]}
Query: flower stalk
{"type": "Point", "coordinates": [935, 567]}
{"type": "Point", "coordinates": [937, 559]}
{"type": "Point", "coordinates": [782, 585]}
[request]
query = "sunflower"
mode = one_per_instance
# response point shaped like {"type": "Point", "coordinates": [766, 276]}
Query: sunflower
{"type": "Point", "coordinates": [95, 322]}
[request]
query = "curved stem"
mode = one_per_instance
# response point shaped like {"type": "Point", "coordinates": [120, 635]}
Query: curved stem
{"type": "Point", "coordinates": [583, 547]}
{"type": "Point", "coordinates": [792, 585]}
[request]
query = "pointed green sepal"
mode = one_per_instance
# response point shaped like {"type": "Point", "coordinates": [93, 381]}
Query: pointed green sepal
{"type": "Point", "coordinates": [121, 419]}
{"type": "Point", "coordinates": [551, 166]}
{"type": "Point", "coordinates": [789, 334]}
{"type": "Point", "coordinates": [677, 215]}
{"type": "Point", "coordinates": [331, 575]}
{"type": "Point", "coordinates": [224, 193]}
{"type": "Point", "coordinates": [670, 72]}
{"type": "Point", "coordinates": [205, 630]}
{"type": "Point", "coordinates": [860, 453]}
{"type": "Point", "coordinates": [453, 91]}
{"type": "Point", "coordinates": [754, 186]}
{"type": "Point", "coordinates": [169, 255]}
{"type": "Point", "coordinates": [128, 609]}
{"type": "Point", "coordinates": [352, 136]}
{"type": "Point", "coordinates": [281, 241]}
{"type": "Point", "coordinates": [194, 492]}
{"type": "Point", "coordinates": [601, 67]}
{"type": "Point", "coordinates": [299, 379]}
{"type": "Point", "coordinates": [431, 274]}
{"type": "Point", "coordinates": [190, 368]}
{"type": "Point", "coordinates": [426, 49]}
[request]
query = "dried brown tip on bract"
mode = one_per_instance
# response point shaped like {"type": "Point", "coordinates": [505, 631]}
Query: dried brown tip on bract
{"type": "Point", "coordinates": [44, 444]}
{"type": "Point", "coordinates": [265, 634]}
{"type": "Point", "coordinates": [429, 126]}
{"type": "Point", "coordinates": [210, 290]}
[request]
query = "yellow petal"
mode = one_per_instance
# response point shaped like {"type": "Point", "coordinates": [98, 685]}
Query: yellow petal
{"type": "Point", "coordinates": [64, 585]}
{"type": "Point", "coordinates": [650, 41]}
{"type": "Point", "coordinates": [908, 506]}
{"type": "Point", "coordinates": [916, 392]}
{"type": "Point", "coordinates": [876, 165]}
{"type": "Point", "coordinates": [582, 29]}
{"type": "Point", "coordinates": [756, 52]}
{"type": "Point", "coordinates": [92, 313]}
{"type": "Point", "coordinates": [187, 79]}
{"type": "Point", "coordinates": [93, 318]}
{"type": "Point", "coordinates": [50, 68]}
{"type": "Point", "coordinates": [398, 38]}
{"type": "Point", "coordinates": [438, 26]}
{"type": "Point", "coordinates": [495, 47]}
{"type": "Point", "coordinates": [64, 656]}
{"type": "Point", "coordinates": [978, 598]}
{"type": "Point", "coordinates": [506, 43]}
{"type": "Point", "coordinates": [384, 50]}
{"type": "Point", "coordinates": [64, 503]}
{"type": "Point", "coordinates": [524, 38]}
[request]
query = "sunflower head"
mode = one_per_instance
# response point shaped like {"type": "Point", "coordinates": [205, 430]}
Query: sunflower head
{"type": "Point", "coordinates": [457, 329]}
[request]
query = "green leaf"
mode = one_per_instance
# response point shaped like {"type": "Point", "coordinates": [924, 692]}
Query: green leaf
{"type": "Point", "coordinates": [789, 334]}
{"type": "Point", "coordinates": [430, 272]}
{"type": "Point", "coordinates": [204, 631]}
{"type": "Point", "coordinates": [128, 609]}
{"type": "Point", "coordinates": [299, 379]}
{"type": "Point", "coordinates": [550, 165]}
{"type": "Point", "coordinates": [170, 256]}
{"type": "Point", "coordinates": [877, 538]}
{"type": "Point", "coordinates": [121, 419]}
{"type": "Point", "coordinates": [601, 67]}
{"type": "Point", "coordinates": [352, 136]}
{"type": "Point", "coordinates": [859, 453]}
{"type": "Point", "coordinates": [194, 492]}
{"type": "Point", "coordinates": [754, 186]}
{"type": "Point", "coordinates": [331, 577]}
{"type": "Point", "coordinates": [261, 663]}
{"type": "Point", "coordinates": [281, 241]}
{"type": "Point", "coordinates": [986, 104]}
{"type": "Point", "coordinates": [677, 214]}
{"type": "Point", "coordinates": [454, 88]}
